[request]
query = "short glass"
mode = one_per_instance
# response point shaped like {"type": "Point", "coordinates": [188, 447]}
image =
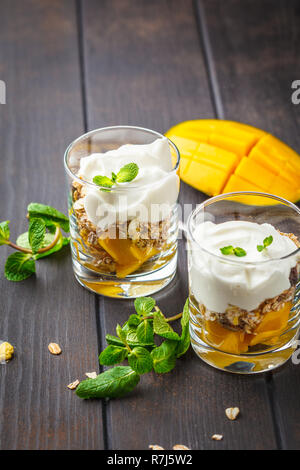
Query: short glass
{"type": "Point", "coordinates": [234, 337]}
{"type": "Point", "coordinates": [132, 256]}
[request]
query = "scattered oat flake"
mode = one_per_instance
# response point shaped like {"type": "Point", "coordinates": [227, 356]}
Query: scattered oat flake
{"type": "Point", "coordinates": [54, 348]}
{"type": "Point", "coordinates": [232, 413]}
{"type": "Point", "coordinates": [155, 447]}
{"type": "Point", "coordinates": [73, 385]}
{"type": "Point", "coordinates": [217, 437]}
{"type": "Point", "coordinates": [180, 447]}
{"type": "Point", "coordinates": [91, 375]}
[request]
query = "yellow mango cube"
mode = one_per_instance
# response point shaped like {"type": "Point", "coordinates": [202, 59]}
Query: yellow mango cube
{"type": "Point", "coordinates": [251, 171]}
{"type": "Point", "coordinates": [206, 178]}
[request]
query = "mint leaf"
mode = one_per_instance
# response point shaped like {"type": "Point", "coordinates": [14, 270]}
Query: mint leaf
{"type": "Point", "coordinates": [122, 334]}
{"type": "Point", "coordinates": [164, 357]}
{"type": "Point", "coordinates": [117, 342]}
{"type": "Point", "coordinates": [144, 332]}
{"type": "Point", "coordinates": [4, 232]}
{"type": "Point", "coordinates": [127, 173]}
{"type": "Point", "coordinates": [112, 355]}
{"type": "Point", "coordinates": [36, 234]}
{"type": "Point", "coordinates": [140, 360]}
{"type": "Point", "coordinates": [134, 320]}
{"type": "Point", "coordinates": [19, 266]}
{"type": "Point", "coordinates": [185, 340]}
{"type": "Point", "coordinates": [227, 250]}
{"type": "Point", "coordinates": [267, 242]}
{"type": "Point", "coordinates": [50, 215]}
{"type": "Point", "coordinates": [239, 251]}
{"type": "Point", "coordinates": [112, 383]}
{"type": "Point", "coordinates": [230, 250]}
{"type": "Point", "coordinates": [162, 328]}
{"type": "Point", "coordinates": [22, 241]}
{"type": "Point", "coordinates": [144, 305]}
{"type": "Point", "coordinates": [103, 181]}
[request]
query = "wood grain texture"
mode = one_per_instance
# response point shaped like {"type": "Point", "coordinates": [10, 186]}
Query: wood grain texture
{"type": "Point", "coordinates": [255, 49]}
{"type": "Point", "coordinates": [39, 63]}
{"type": "Point", "coordinates": [144, 66]}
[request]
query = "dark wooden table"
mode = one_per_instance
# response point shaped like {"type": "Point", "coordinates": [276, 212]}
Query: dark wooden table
{"type": "Point", "coordinates": [71, 66]}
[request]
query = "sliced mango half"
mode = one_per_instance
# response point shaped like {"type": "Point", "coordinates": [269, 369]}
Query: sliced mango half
{"type": "Point", "coordinates": [219, 156]}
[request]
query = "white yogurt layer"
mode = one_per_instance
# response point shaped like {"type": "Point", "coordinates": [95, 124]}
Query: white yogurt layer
{"type": "Point", "coordinates": [157, 185]}
{"type": "Point", "coordinates": [217, 283]}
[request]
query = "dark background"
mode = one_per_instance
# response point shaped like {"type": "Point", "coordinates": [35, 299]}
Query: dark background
{"type": "Point", "coordinates": [72, 66]}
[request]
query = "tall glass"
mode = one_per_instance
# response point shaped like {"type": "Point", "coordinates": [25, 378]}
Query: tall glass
{"type": "Point", "coordinates": [244, 312]}
{"type": "Point", "coordinates": [129, 247]}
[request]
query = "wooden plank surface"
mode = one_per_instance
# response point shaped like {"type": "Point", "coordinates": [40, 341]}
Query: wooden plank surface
{"type": "Point", "coordinates": [255, 49]}
{"type": "Point", "coordinates": [43, 113]}
{"type": "Point", "coordinates": [144, 66]}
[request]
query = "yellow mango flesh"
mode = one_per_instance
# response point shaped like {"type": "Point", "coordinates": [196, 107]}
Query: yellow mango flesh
{"type": "Point", "coordinates": [126, 254]}
{"type": "Point", "coordinates": [219, 156]}
{"type": "Point", "coordinates": [236, 342]}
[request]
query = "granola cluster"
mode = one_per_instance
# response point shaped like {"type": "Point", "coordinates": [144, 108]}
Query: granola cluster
{"type": "Point", "coordinates": [144, 235]}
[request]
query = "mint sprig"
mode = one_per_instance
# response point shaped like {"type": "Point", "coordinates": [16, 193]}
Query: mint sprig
{"type": "Point", "coordinates": [266, 242]}
{"type": "Point", "coordinates": [231, 250]}
{"type": "Point", "coordinates": [135, 342]}
{"type": "Point", "coordinates": [126, 174]}
{"type": "Point", "coordinates": [36, 243]}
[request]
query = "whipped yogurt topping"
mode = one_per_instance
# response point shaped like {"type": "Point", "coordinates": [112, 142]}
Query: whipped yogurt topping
{"type": "Point", "coordinates": [148, 198]}
{"type": "Point", "coordinates": [217, 283]}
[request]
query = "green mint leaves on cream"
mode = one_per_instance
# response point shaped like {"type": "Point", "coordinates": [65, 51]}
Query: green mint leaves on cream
{"type": "Point", "coordinates": [126, 174]}
{"type": "Point", "coordinates": [43, 238]}
{"type": "Point", "coordinates": [267, 242]}
{"type": "Point", "coordinates": [237, 251]}
{"type": "Point", "coordinates": [230, 250]}
{"type": "Point", "coordinates": [135, 342]}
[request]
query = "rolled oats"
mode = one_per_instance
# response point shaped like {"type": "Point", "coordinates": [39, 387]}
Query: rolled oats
{"type": "Point", "coordinates": [91, 375]}
{"type": "Point", "coordinates": [54, 348]}
{"type": "Point", "coordinates": [232, 413]}
{"type": "Point", "coordinates": [217, 437]}
{"type": "Point", "coordinates": [73, 385]}
{"type": "Point", "coordinates": [180, 447]}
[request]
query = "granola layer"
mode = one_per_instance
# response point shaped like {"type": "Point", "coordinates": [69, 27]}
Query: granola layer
{"type": "Point", "coordinates": [143, 235]}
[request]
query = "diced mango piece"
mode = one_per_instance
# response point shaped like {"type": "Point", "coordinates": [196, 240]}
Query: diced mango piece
{"type": "Point", "coordinates": [217, 157]}
{"type": "Point", "coordinates": [232, 144]}
{"type": "Point", "coordinates": [288, 173]}
{"type": "Point", "coordinates": [188, 146]}
{"type": "Point", "coordinates": [258, 133]}
{"type": "Point", "coordinates": [237, 183]}
{"type": "Point", "coordinates": [247, 168]}
{"type": "Point", "coordinates": [206, 178]}
{"type": "Point", "coordinates": [272, 325]}
{"type": "Point", "coordinates": [234, 342]}
{"type": "Point", "coordinates": [283, 188]}
{"type": "Point", "coordinates": [118, 249]}
{"type": "Point", "coordinates": [183, 167]}
{"type": "Point", "coordinates": [248, 159]}
{"type": "Point", "coordinates": [126, 254]}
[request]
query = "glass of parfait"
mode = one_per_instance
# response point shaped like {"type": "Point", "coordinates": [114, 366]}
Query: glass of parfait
{"type": "Point", "coordinates": [243, 257]}
{"type": "Point", "coordinates": [123, 186]}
